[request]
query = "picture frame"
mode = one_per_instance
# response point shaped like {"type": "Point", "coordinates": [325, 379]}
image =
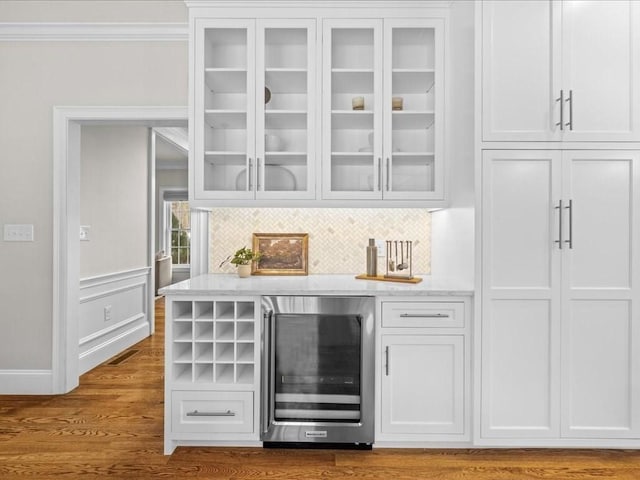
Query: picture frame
{"type": "Point", "coordinates": [281, 253]}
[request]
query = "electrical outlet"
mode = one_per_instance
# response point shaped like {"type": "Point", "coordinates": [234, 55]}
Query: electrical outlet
{"type": "Point", "coordinates": [381, 248]}
{"type": "Point", "coordinates": [107, 313]}
{"type": "Point", "coordinates": [18, 233]}
{"type": "Point", "coordinates": [84, 233]}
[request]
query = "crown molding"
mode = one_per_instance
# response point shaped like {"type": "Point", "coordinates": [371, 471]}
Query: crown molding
{"type": "Point", "coordinates": [319, 3]}
{"type": "Point", "coordinates": [82, 32]}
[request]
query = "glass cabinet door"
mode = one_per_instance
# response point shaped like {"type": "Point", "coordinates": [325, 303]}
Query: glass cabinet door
{"type": "Point", "coordinates": [352, 109]}
{"type": "Point", "coordinates": [285, 112]}
{"type": "Point", "coordinates": [224, 102]}
{"type": "Point", "coordinates": [413, 106]}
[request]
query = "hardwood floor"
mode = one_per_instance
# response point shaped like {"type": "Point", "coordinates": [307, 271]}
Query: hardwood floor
{"type": "Point", "coordinates": [112, 426]}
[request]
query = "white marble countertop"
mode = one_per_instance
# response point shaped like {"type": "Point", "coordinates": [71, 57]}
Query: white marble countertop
{"type": "Point", "coordinates": [231, 284]}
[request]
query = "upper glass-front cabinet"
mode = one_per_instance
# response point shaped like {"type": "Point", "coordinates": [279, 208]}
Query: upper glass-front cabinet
{"type": "Point", "coordinates": [254, 128]}
{"type": "Point", "coordinates": [383, 109]}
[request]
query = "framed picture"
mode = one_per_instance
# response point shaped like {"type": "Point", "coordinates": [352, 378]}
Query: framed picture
{"type": "Point", "coordinates": [281, 253]}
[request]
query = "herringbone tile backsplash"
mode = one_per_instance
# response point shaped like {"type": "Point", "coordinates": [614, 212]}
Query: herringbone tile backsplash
{"type": "Point", "coordinates": [337, 236]}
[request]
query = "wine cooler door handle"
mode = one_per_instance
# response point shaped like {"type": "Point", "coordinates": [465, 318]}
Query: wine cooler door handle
{"type": "Point", "coordinates": [266, 368]}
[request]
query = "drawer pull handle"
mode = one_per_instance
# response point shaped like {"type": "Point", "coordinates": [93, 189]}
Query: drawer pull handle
{"type": "Point", "coordinates": [424, 315]}
{"type": "Point", "coordinates": [196, 413]}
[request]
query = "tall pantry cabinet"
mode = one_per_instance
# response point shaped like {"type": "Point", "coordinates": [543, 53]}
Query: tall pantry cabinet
{"type": "Point", "coordinates": [559, 336]}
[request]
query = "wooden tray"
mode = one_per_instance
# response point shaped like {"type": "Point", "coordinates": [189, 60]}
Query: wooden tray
{"type": "Point", "coordinates": [382, 278]}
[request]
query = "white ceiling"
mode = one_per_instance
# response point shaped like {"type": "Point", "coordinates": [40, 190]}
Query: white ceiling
{"type": "Point", "coordinates": [172, 148]}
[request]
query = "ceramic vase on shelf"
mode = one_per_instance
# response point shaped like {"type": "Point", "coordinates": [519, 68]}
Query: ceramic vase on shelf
{"type": "Point", "coordinates": [244, 270]}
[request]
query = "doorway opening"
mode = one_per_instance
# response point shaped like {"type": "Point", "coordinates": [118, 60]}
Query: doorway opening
{"type": "Point", "coordinates": [68, 122]}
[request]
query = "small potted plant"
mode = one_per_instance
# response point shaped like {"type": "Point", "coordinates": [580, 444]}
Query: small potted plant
{"type": "Point", "coordinates": [242, 259]}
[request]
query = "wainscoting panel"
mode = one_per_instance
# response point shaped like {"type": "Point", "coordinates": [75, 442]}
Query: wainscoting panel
{"type": "Point", "coordinates": [113, 315]}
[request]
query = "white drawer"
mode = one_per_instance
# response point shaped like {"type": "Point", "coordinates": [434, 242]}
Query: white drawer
{"type": "Point", "coordinates": [423, 314]}
{"type": "Point", "coordinates": [212, 412]}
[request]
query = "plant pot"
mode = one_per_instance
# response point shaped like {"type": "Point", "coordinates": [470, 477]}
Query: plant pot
{"type": "Point", "coordinates": [244, 270]}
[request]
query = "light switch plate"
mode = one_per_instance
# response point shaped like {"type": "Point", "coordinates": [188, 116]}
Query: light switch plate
{"type": "Point", "coordinates": [18, 233]}
{"type": "Point", "coordinates": [381, 248]}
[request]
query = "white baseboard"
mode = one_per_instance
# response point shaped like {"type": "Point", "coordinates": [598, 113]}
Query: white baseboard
{"type": "Point", "coordinates": [26, 382]}
{"type": "Point", "coordinates": [112, 346]}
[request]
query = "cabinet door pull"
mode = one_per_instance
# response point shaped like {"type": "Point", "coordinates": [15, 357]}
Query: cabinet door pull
{"type": "Point", "coordinates": [424, 315]}
{"type": "Point", "coordinates": [249, 174]}
{"type": "Point", "coordinates": [570, 208]}
{"type": "Point", "coordinates": [196, 413]}
{"type": "Point", "coordinates": [257, 173]}
{"type": "Point", "coordinates": [379, 174]}
{"type": "Point", "coordinates": [386, 366]}
{"type": "Point", "coordinates": [570, 100]}
{"type": "Point", "coordinates": [388, 174]}
{"type": "Point", "coordinates": [561, 100]}
{"type": "Point", "coordinates": [559, 208]}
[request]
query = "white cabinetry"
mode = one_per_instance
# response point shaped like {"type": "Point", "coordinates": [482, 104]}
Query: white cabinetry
{"type": "Point", "coordinates": [560, 70]}
{"type": "Point", "coordinates": [254, 113]}
{"type": "Point", "coordinates": [212, 371]}
{"type": "Point", "coordinates": [382, 149]}
{"type": "Point", "coordinates": [423, 371]}
{"type": "Point", "coordinates": [560, 295]}
{"type": "Point", "coordinates": [272, 116]}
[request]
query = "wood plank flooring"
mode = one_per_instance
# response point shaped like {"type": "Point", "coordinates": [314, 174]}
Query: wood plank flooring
{"type": "Point", "coordinates": [111, 426]}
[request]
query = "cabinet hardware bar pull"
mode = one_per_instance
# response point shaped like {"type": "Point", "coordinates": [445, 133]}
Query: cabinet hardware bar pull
{"type": "Point", "coordinates": [561, 100]}
{"type": "Point", "coordinates": [424, 315]}
{"type": "Point", "coordinates": [570, 100]}
{"type": "Point", "coordinates": [570, 208]}
{"type": "Point", "coordinates": [249, 175]}
{"type": "Point", "coordinates": [386, 354]}
{"type": "Point", "coordinates": [387, 174]}
{"type": "Point", "coordinates": [196, 413]}
{"type": "Point", "coordinates": [257, 174]}
{"type": "Point", "coordinates": [379, 174]}
{"type": "Point", "coordinates": [559, 208]}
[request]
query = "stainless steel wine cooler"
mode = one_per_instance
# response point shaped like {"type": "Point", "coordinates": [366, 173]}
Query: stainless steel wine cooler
{"type": "Point", "coordinates": [318, 371]}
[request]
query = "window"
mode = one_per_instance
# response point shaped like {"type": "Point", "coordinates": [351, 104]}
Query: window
{"type": "Point", "coordinates": [179, 231]}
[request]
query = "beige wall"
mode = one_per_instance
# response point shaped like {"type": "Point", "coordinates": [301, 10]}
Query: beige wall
{"type": "Point", "coordinates": [168, 11]}
{"type": "Point", "coordinates": [114, 198]}
{"type": "Point", "coordinates": [35, 76]}
{"type": "Point", "coordinates": [337, 236]}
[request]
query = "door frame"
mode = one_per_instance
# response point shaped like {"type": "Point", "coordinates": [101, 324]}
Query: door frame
{"type": "Point", "coordinates": [67, 123]}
